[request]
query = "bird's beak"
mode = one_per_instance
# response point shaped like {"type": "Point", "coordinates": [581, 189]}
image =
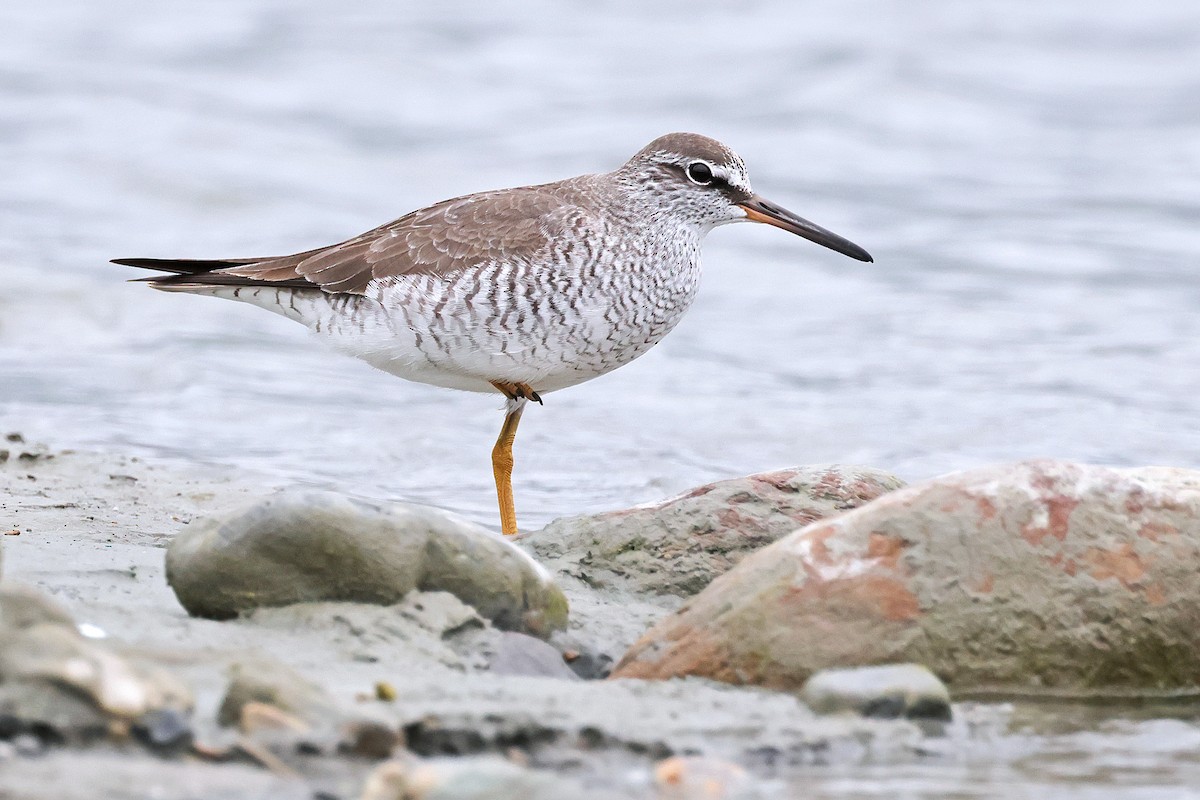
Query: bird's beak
{"type": "Point", "coordinates": [759, 210]}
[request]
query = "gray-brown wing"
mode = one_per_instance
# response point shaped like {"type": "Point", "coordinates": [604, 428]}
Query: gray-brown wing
{"type": "Point", "coordinates": [443, 238]}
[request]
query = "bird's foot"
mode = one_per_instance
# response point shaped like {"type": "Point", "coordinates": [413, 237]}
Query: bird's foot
{"type": "Point", "coordinates": [514, 390]}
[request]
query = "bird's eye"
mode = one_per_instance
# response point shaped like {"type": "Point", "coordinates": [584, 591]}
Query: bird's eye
{"type": "Point", "coordinates": [699, 172]}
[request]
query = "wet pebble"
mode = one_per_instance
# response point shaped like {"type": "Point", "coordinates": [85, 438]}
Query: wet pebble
{"type": "Point", "coordinates": [518, 654]}
{"type": "Point", "coordinates": [889, 691]}
{"type": "Point", "coordinates": [60, 686]}
{"type": "Point", "coordinates": [260, 682]}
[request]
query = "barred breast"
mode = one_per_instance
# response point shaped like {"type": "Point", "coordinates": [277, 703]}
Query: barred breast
{"type": "Point", "coordinates": [578, 312]}
{"type": "Point", "coordinates": [549, 324]}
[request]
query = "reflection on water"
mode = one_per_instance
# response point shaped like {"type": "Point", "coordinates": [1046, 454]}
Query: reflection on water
{"type": "Point", "coordinates": [1026, 175]}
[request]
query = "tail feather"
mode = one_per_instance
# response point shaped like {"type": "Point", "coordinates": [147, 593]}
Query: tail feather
{"type": "Point", "coordinates": [204, 272]}
{"type": "Point", "coordinates": [186, 266]}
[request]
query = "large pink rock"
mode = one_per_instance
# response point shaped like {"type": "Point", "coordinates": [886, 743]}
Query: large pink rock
{"type": "Point", "coordinates": [1040, 575]}
{"type": "Point", "coordinates": [677, 546]}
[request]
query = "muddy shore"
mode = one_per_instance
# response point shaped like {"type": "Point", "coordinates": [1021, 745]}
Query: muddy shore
{"type": "Point", "coordinates": [91, 529]}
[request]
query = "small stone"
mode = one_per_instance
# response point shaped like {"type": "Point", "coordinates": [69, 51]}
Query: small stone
{"type": "Point", "coordinates": [263, 681]}
{"type": "Point", "coordinates": [581, 657]}
{"type": "Point", "coordinates": [369, 739]}
{"type": "Point", "coordinates": [889, 691]}
{"type": "Point", "coordinates": [27, 744]}
{"type": "Point", "coordinates": [385, 691]}
{"type": "Point", "coordinates": [164, 729]}
{"type": "Point", "coordinates": [518, 654]}
{"type": "Point", "coordinates": [62, 686]}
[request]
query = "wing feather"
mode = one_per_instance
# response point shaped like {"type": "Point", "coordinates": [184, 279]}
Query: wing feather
{"type": "Point", "coordinates": [441, 239]}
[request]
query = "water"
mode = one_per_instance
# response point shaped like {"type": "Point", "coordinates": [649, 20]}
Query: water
{"type": "Point", "coordinates": [1026, 175]}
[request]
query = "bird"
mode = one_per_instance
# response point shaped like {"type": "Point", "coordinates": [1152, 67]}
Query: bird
{"type": "Point", "coordinates": [521, 291]}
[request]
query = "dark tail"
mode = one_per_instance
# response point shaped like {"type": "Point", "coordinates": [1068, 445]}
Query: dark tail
{"type": "Point", "coordinates": [196, 272]}
{"type": "Point", "coordinates": [182, 266]}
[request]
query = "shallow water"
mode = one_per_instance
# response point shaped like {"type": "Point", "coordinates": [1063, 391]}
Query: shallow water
{"type": "Point", "coordinates": [1026, 175]}
{"type": "Point", "coordinates": [1063, 752]}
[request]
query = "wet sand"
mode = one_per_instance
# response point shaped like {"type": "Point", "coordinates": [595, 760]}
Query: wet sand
{"type": "Point", "coordinates": [93, 528]}
{"type": "Point", "coordinates": [92, 533]}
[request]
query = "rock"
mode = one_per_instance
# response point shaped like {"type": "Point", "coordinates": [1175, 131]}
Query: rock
{"type": "Point", "coordinates": [56, 683]}
{"type": "Point", "coordinates": [288, 715]}
{"type": "Point", "coordinates": [163, 729]}
{"type": "Point", "coordinates": [265, 681]}
{"type": "Point", "coordinates": [310, 546]}
{"type": "Point", "coordinates": [1034, 576]}
{"type": "Point", "coordinates": [679, 545]}
{"type": "Point", "coordinates": [478, 778]}
{"type": "Point", "coordinates": [467, 733]}
{"type": "Point", "coordinates": [584, 658]}
{"type": "Point", "coordinates": [518, 654]}
{"type": "Point", "coordinates": [889, 691]}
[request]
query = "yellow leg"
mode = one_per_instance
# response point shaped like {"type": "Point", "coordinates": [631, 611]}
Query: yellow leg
{"type": "Point", "coordinates": [502, 465]}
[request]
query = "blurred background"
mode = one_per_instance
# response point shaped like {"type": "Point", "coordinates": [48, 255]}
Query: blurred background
{"type": "Point", "coordinates": [1027, 176]}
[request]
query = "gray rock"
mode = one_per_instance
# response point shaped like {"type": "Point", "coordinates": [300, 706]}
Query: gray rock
{"type": "Point", "coordinates": [518, 654]}
{"type": "Point", "coordinates": [310, 546]}
{"type": "Point", "coordinates": [888, 691]}
{"type": "Point", "coordinates": [265, 680]}
{"type": "Point", "coordinates": [679, 545]}
{"type": "Point", "coordinates": [291, 716]}
{"type": "Point", "coordinates": [163, 729]}
{"type": "Point", "coordinates": [1038, 577]}
{"type": "Point", "coordinates": [585, 659]}
{"type": "Point", "coordinates": [53, 679]}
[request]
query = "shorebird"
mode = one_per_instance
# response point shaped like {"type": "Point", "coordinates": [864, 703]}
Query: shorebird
{"type": "Point", "coordinates": [519, 291]}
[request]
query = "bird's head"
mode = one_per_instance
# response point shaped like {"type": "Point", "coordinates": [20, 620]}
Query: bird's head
{"type": "Point", "coordinates": [698, 179]}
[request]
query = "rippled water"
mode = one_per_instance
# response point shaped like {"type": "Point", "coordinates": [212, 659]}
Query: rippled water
{"type": "Point", "coordinates": [1026, 175]}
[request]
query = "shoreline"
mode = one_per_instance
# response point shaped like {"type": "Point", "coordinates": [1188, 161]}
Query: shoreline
{"type": "Point", "coordinates": [93, 531]}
